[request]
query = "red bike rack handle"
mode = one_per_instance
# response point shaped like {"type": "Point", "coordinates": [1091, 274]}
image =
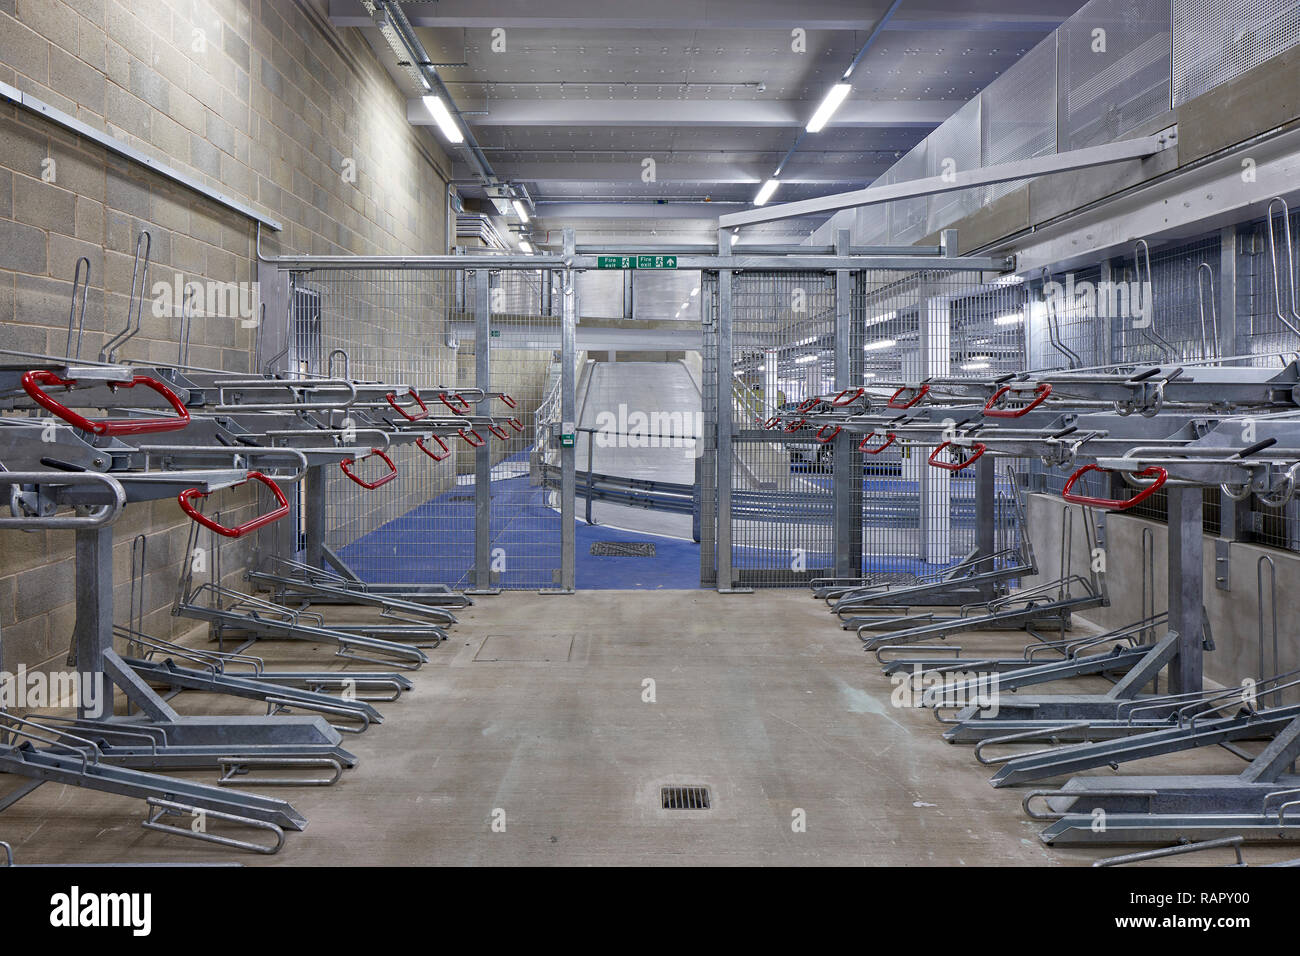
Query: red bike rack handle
{"type": "Point", "coordinates": [824, 439]}
{"type": "Point", "coordinates": [442, 397]}
{"type": "Point", "coordinates": [500, 433]}
{"type": "Point", "coordinates": [991, 410]}
{"type": "Point", "coordinates": [890, 438]}
{"type": "Point", "coordinates": [424, 409]}
{"type": "Point", "coordinates": [261, 521]}
{"type": "Point", "coordinates": [33, 380]}
{"type": "Point", "coordinates": [476, 442]}
{"type": "Point", "coordinates": [515, 423]}
{"type": "Point", "coordinates": [977, 450]}
{"type": "Point", "coordinates": [920, 394]}
{"type": "Point", "coordinates": [510, 402]}
{"type": "Point", "coordinates": [347, 463]}
{"type": "Point", "coordinates": [771, 422]}
{"type": "Point", "coordinates": [793, 427]}
{"type": "Point", "coordinates": [419, 443]}
{"type": "Point", "coordinates": [839, 400]}
{"type": "Point", "coordinates": [1154, 471]}
{"type": "Point", "coordinates": [808, 404]}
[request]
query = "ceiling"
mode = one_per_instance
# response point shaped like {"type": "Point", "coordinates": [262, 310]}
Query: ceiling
{"type": "Point", "coordinates": [571, 97]}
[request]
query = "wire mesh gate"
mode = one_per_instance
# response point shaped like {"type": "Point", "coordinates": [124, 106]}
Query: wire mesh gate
{"type": "Point", "coordinates": [781, 508]}
{"type": "Point", "coordinates": [481, 519]}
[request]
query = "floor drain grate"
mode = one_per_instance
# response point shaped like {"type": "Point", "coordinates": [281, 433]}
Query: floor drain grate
{"type": "Point", "coordinates": [686, 798]}
{"type": "Point", "coordinates": [623, 549]}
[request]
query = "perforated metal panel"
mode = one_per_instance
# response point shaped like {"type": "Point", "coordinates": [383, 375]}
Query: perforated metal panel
{"type": "Point", "coordinates": [871, 225]}
{"type": "Point", "coordinates": [1217, 40]}
{"type": "Point", "coordinates": [1114, 69]}
{"type": "Point", "coordinates": [955, 148]}
{"type": "Point", "coordinates": [1019, 112]}
{"type": "Point", "coordinates": [909, 218]}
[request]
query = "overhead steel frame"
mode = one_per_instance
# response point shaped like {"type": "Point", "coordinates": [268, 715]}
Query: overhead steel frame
{"type": "Point", "coordinates": [847, 467]}
{"type": "Point", "coordinates": [477, 269]}
{"type": "Point", "coordinates": [1086, 158]}
{"type": "Point", "coordinates": [724, 264]}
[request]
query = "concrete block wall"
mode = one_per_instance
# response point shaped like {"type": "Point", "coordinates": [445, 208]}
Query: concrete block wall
{"type": "Point", "coordinates": [1233, 614]}
{"type": "Point", "coordinates": [260, 99]}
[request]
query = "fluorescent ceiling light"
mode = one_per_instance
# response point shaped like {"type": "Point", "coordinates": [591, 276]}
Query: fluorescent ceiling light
{"type": "Point", "coordinates": [695, 292]}
{"type": "Point", "coordinates": [868, 374]}
{"type": "Point", "coordinates": [881, 319]}
{"type": "Point", "coordinates": [879, 344]}
{"type": "Point", "coordinates": [520, 210]}
{"type": "Point", "coordinates": [525, 246]}
{"type": "Point", "coordinates": [805, 359]}
{"type": "Point", "coordinates": [765, 193]}
{"type": "Point", "coordinates": [829, 105]}
{"type": "Point", "coordinates": [438, 110]}
{"type": "Point", "coordinates": [1013, 318]}
{"type": "Point", "coordinates": [974, 366]}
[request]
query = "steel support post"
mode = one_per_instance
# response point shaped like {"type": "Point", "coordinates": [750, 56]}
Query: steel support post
{"type": "Point", "coordinates": [482, 456]}
{"type": "Point", "coordinates": [1234, 515]}
{"type": "Point", "coordinates": [94, 574]}
{"type": "Point", "coordinates": [985, 508]}
{"type": "Point", "coordinates": [846, 482]}
{"type": "Point", "coordinates": [1186, 588]}
{"type": "Point", "coordinates": [314, 515]}
{"type": "Point", "coordinates": [568, 412]}
{"type": "Point", "coordinates": [726, 379]}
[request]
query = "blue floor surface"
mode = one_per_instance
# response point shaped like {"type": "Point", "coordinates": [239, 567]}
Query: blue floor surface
{"type": "Point", "coordinates": [434, 544]}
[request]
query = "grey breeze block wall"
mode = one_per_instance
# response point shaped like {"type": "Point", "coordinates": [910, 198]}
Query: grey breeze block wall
{"type": "Point", "coordinates": [1233, 617]}
{"type": "Point", "coordinates": [263, 100]}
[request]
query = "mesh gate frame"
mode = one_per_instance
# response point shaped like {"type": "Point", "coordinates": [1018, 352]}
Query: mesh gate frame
{"type": "Point", "coordinates": [860, 297]}
{"type": "Point", "coordinates": [399, 311]}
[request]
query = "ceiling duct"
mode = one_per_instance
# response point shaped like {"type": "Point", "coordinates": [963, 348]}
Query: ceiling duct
{"type": "Point", "coordinates": [398, 33]}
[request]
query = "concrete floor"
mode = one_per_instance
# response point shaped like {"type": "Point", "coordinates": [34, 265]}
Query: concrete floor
{"type": "Point", "coordinates": [535, 709]}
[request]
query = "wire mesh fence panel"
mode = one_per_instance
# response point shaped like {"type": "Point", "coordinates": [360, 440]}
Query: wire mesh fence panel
{"type": "Point", "coordinates": [1268, 308]}
{"type": "Point", "coordinates": [1161, 303]}
{"type": "Point", "coordinates": [921, 325]}
{"type": "Point", "coordinates": [1268, 315]}
{"type": "Point", "coordinates": [524, 530]}
{"type": "Point", "coordinates": [783, 331]}
{"type": "Point", "coordinates": [707, 496]}
{"type": "Point", "coordinates": [390, 326]}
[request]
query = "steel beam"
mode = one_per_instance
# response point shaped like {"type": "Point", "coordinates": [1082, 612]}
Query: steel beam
{"type": "Point", "coordinates": [686, 15]}
{"type": "Point", "coordinates": [706, 114]}
{"type": "Point", "coordinates": [1186, 588]}
{"type": "Point", "coordinates": [723, 171]}
{"type": "Point", "coordinates": [846, 466]}
{"type": "Point", "coordinates": [726, 378]}
{"type": "Point", "coordinates": [935, 185]}
{"type": "Point", "coordinates": [568, 415]}
{"type": "Point", "coordinates": [127, 151]}
{"type": "Point", "coordinates": [483, 455]}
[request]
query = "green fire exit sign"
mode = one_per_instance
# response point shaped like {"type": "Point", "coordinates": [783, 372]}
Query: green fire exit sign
{"type": "Point", "coordinates": [636, 262]}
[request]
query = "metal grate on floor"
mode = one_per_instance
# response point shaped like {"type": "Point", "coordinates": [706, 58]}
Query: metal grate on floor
{"type": "Point", "coordinates": [623, 549]}
{"type": "Point", "coordinates": [686, 798]}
